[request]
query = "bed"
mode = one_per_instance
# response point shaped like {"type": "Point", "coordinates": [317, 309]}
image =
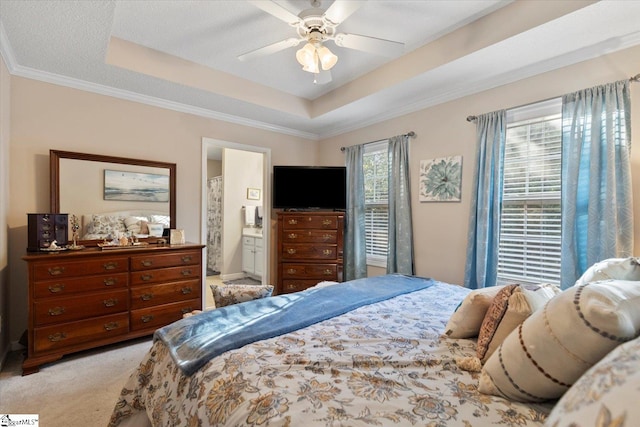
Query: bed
{"type": "Point", "coordinates": [386, 362]}
{"type": "Point", "coordinates": [111, 225]}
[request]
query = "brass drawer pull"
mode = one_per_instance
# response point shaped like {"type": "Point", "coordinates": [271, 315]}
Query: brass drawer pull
{"type": "Point", "coordinates": [291, 271]}
{"type": "Point", "coordinates": [56, 311]}
{"type": "Point", "coordinates": [54, 289]}
{"type": "Point", "coordinates": [186, 291]}
{"type": "Point", "coordinates": [293, 221]}
{"type": "Point", "coordinates": [146, 277]}
{"type": "Point", "coordinates": [186, 310]}
{"type": "Point", "coordinates": [291, 251]}
{"type": "Point", "coordinates": [328, 272]}
{"type": "Point", "coordinates": [58, 336]}
{"type": "Point", "coordinates": [187, 258]}
{"type": "Point", "coordinates": [327, 252]}
{"type": "Point", "coordinates": [146, 297]}
{"type": "Point", "coordinates": [146, 262]}
{"type": "Point", "coordinates": [326, 222]}
{"type": "Point", "coordinates": [110, 265]}
{"type": "Point", "coordinates": [110, 281]}
{"type": "Point", "coordinates": [56, 271]}
{"type": "Point", "coordinates": [292, 236]}
{"type": "Point", "coordinates": [110, 302]}
{"type": "Point", "coordinates": [147, 318]}
{"type": "Point", "coordinates": [292, 286]}
{"type": "Point", "coordinates": [111, 326]}
{"type": "Point", "coordinates": [327, 237]}
{"type": "Point", "coordinates": [186, 272]}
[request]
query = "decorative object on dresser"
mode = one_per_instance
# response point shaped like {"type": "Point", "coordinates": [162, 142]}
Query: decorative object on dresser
{"type": "Point", "coordinates": [310, 249]}
{"type": "Point", "coordinates": [45, 228]}
{"type": "Point", "coordinates": [85, 299]}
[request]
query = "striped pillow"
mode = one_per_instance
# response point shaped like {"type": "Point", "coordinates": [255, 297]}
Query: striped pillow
{"type": "Point", "coordinates": [550, 350]}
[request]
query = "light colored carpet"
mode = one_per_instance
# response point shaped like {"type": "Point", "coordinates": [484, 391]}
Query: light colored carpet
{"type": "Point", "coordinates": [243, 281]}
{"type": "Point", "coordinates": [78, 390]}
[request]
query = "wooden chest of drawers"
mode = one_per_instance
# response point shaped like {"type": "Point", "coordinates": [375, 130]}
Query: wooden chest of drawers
{"type": "Point", "coordinates": [84, 299]}
{"type": "Point", "coordinates": [310, 249]}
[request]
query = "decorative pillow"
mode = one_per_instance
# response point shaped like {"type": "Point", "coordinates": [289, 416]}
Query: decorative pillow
{"type": "Point", "coordinates": [160, 219]}
{"type": "Point", "coordinates": [134, 224]}
{"type": "Point", "coordinates": [613, 268]}
{"type": "Point", "coordinates": [155, 230]}
{"type": "Point", "coordinates": [551, 349]}
{"type": "Point", "coordinates": [105, 225]}
{"type": "Point", "coordinates": [466, 320]}
{"type": "Point", "coordinates": [512, 305]}
{"type": "Point", "coordinates": [609, 391]}
{"type": "Point", "coordinates": [233, 294]}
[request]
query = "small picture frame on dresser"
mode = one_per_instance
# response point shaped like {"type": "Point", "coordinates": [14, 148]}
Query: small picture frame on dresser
{"type": "Point", "coordinates": [176, 236]}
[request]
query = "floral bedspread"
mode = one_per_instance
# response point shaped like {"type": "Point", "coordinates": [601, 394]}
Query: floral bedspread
{"type": "Point", "coordinates": [379, 365]}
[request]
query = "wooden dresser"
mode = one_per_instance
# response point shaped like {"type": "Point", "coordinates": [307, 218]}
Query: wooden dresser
{"type": "Point", "coordinates": [92, 297]}
{"type": "Point", "coordinates": [310, 249]}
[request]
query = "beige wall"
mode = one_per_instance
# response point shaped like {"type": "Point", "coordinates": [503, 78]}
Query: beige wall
{"type": "Point", "coordinates": [440, 229]}
{"type": "Point", "coordinates": [46, 116]}
{"type": "Point", "coordinates": [5, 100]}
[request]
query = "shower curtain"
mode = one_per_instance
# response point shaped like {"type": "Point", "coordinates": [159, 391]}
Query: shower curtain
{"type": "Point", "coordinates": [214, 225]}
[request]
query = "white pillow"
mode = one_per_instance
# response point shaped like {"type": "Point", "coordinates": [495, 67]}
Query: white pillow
{"type": "Point", "coordinates": [134, 224]}
{"type": "Point", "coordinates": [106, 225]}
{"type": "Point", "coordinates": [155, 230]}
{"type": "Point", "coordinates": [613, 268]}
{"type": "Point", "coordinates": [610, 390]}
{"type": "Point", "coordinates": [466, 320]}
{"type": "Point", "coordinates": [550, 350]}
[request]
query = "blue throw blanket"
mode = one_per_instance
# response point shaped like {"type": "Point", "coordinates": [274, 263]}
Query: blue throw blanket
{"type": "Point", "coordinates": [193, 341]}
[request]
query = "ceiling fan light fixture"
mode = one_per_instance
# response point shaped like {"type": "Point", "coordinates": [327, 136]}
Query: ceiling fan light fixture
{"type": "Point", "coordinates": [312, 66]}
{"type": "Point", "coordinates": [305, 56]}
{"type": "Point", "coordinates": [327, 58]}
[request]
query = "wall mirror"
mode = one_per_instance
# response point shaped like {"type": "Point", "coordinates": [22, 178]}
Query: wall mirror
{"type": "Point", "coordinates": [92, 186]}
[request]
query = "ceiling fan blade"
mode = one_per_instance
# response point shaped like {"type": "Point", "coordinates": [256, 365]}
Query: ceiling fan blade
{"type": "Point", "coordinates": [341, 10]}
{"type": "Point", "coordinates": [276, 10]}
{"type": "Point", "coordinates": [268, 50]}
{"type": "Point", "coordinates": [369, 44]}
{"type": "Point", "coordinates": [322, 78]}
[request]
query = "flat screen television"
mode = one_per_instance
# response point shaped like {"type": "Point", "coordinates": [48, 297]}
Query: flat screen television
{"type": "Point", "coordinates": [309, 187]}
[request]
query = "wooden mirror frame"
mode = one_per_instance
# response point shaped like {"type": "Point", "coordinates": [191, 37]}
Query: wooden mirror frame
{"type": "Point", "coordinates": [54, 171]}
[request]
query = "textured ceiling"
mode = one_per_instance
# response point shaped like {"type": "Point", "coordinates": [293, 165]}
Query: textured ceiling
{"type": "Point", "coordinates": [183, 54]}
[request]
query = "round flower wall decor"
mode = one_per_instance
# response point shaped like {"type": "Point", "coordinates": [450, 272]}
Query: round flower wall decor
{"type": "Point", "coordinates": [441, 179]}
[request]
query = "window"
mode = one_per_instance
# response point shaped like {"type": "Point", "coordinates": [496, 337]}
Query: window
{"type": "Point", "coordinates": [376, 184]}
{"type": "Point", "coordinates": [530, 229]}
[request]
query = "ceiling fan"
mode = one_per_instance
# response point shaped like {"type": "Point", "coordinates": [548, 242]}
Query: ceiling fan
{"type": "Point", "coordinates": [316, 26]}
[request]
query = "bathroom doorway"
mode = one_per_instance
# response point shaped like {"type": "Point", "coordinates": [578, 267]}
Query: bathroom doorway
{"type": "Point", "coordinates": [220, 158]}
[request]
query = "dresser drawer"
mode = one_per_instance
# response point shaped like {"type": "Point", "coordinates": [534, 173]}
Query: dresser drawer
{"type": "Point", "coordinates": [148, 296]}
{"type": "Point", "coordinates": [65, 286]}
{"type": "Point", "coordinates": [57, 310]}
{"type": "Point", "coordinates": [296, 285]}
{"type": "Point", "coordinates": [310, 236]}
{"type": "Point", "coordinates": [158, 316]}
{"type": "Point", "coordinates": [68, 334]}
{"type": "Point", "coordinates": [310, 271]}
{"type": "Point", "coordinates": [151, 261]}
{"type": "Point", "coordinates": [165, 275]}
{"type": "Point", "coordinates": [296, 222]}
{"type": "Point", "coordinates": [311, 252]}
{"type": "Point", "coordinates": [64, 269]}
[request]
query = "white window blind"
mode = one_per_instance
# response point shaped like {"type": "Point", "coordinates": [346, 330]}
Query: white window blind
{"type": "Point", "coordinates": [376, 179]}
{"type": "Point", "coordinates": [530, 229]}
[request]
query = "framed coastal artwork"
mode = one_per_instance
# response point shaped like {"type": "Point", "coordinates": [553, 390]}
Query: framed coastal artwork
{"type": "Point", "coordinates": [135, 186]}
{"type": "Point", "coordinates": [441, 179]}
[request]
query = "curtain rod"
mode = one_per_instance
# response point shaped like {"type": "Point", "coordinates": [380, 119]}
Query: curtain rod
{"type": "Point", "coordinates": [410, 134]}
{"type": "Point", "coordinates": [634, 79]}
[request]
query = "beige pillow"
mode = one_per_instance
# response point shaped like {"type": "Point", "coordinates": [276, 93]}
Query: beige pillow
{"type": "Point", "coordinates": [552, 348]}
{"type": "Point", "coordinates": [613, 268]}
{"type": "Point", "coordinates": [466, 320]}
{"type": "Point", "coordinates": [509, 309]}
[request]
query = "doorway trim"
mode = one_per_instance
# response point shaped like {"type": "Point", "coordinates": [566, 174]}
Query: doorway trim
{"type": "Point", "coordinates": [208, 143]}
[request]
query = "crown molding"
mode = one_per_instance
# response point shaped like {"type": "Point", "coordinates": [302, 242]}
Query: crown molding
{"type": "Point", "coordinates": [6, 51]}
